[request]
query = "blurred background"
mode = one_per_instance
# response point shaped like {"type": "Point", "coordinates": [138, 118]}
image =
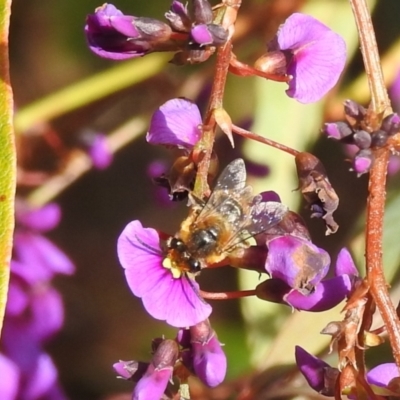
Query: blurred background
{"type": "Point", "coordinates": [104, 321]}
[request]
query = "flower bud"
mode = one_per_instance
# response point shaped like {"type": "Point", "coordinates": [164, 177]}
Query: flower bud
{"type": "Point", "coordinates": [379, 138]}
{"type": "Point", "coordinates": [274, 62]}
{"type": "Point", "coordinates": [202, 12]}
{"type": "Point", "coordinates": [155, 380]}
{"type": "Point", "coordinates": [354, 111]}
{"type": "Point", "coordinates": [211, 34]}
{"type": "Point", "coordinates": [209, 360]}
{"type": "Point", "coordinates": [338, 130]}
{"type": "Point", "coordinates": [178, 17]}
{"type": "Point", "coordinates": [391, 124]}
{"type": "Point", "coordinates": [113, 35]}
{"type": "Point", "coordinates": [362, 161]}
{"type": "Point", "coordinates": [320, 376]}
{"type": "Point", "coordinates": [362, 139]}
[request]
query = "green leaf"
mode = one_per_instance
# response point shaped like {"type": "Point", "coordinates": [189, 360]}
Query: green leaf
{"type": "Point", "coordinates": [7, 159]}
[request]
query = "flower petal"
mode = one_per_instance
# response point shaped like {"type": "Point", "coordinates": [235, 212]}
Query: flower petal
{"type": "Point", "coordinates": [345, 264]}
{"type": "Point", "coordinates": [319, 57]}
{"type": "Point", "coordinates": [296, 261]}
{"type": "Point", "coordinates": [327, 295]}
{"type": "Point", "coordinates": [9, 382]}
{"type": "Point", "coordinates": [382, 374]}
{"type": "Point", "coordinates": [175, 123]}
{"type": "Point", "coordinates": [174, 300]}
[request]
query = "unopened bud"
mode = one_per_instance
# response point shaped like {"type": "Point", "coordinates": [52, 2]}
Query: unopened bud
{"type": "Point", "coordinates": [209, 360]}
{"type": "Point", "coordinates": [354, 111]}
{"type": "Point", "coordinates": [363, 161]}
{"type": "Point", "coordinates": [391, 124]}
{"type": "Point", "coordinates": [152, 29]}
{"type": "Point", "coordinates": [211, 34]}
{"type": "Point", "coordinates": [320, 376]}
{"type": "Point", "coordinates": [178, 17]}
{"type": "Point", "coordinates": [274, 62]}
{"type": "Point", "coordinates": [338, 130]}
{"type": "Point", "coordinates": [166, 354]}
{"type": "Point", "coordinates": [379, 138]}
{"type": "Point", "coordinates": [362, 139]}
{"type": "Point", "coordinates": [202, 11]}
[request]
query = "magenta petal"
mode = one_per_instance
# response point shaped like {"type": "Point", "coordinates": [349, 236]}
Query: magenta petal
{"type": "Point", "coordinates": [153, 384]}
{"type": "Point", "coordinates": [382, 374]}
{"type": "Point", "coordinates": [312, 368]}
{"type": "Point", "coordinates": [319, 57]}
{"type": "Point", "coordinates": [175, 123]}
{"type": "Point", "coordinates": [42, 219]}
{"type": "Point", "coordinates": [209, 362]}
{"type": "Point", "coordinates": [99, 152]}
{"type": "Point", "coordinates": [36, 250]}
{"type": "Point", "coordinates": [345, 264]}
{"type": "Point", "coordinates": [164, 297]}
{"type": "Point", "coordinates": [41, 378]}
{"type": "Point", "coordinates": [296, 261]}
{"type": "Point", "coordinates": [9, 382]}
{"type": "Point", "coordinates": [17, 298]}
{"type": "Point", "coordinates": [47, 313]}
{"type": "Point", "coordinates": [327, 295]}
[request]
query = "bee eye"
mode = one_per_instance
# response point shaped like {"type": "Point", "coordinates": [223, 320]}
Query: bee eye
{"type": "Point", "coordinates": [194, 265]}
{"type": "Point", "coordinates": [176, 244]}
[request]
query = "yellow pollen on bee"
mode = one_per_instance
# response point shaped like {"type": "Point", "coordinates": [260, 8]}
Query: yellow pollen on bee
{"type": "Point", "coordinates": [168, 264]}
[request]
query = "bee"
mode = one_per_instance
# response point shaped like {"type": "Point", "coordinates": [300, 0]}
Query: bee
{"type": "Point", "coordinates": [221, 225]}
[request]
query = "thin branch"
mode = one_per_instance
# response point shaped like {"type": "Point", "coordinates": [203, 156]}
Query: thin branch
{"type": "Point", "coordinates": [380, 104]}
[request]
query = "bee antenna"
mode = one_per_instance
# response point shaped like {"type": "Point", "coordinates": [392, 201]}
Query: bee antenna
{"type": "Point", "coordinates": [152, 249]}
{"type": "Point", "coordinates": [195, 289]}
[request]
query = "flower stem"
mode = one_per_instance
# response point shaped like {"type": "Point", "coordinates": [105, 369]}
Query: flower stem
{"type": "Point", "coordinates": [205, 145]}
{"type": "Point", "coordinates": [380, 104]}
{"type": "Point", "coordinates": [227, 295]}
{"type": "Point", "coordinates": [253, 136]}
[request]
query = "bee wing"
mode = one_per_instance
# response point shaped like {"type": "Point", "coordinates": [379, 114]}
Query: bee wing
{"type": "Point", "coordinates": [263, 216]}
{"type": "Point", "coordinates": [231, 184]}
{"type": "Point", "coordinates": [233, 177]}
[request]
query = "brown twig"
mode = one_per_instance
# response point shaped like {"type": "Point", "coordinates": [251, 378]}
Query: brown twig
{"type": "Point", "coordinates": [205, 146]}
{"type": "Point", "coordinates": [253, 136]}
{"type": "Point", "coordinates": [380, 104]}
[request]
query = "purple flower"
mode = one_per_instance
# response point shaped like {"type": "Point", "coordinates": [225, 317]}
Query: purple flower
{"type": "Point", "coordinates": [382, 374]}
{"type": "Point", "coordinates": [297, 262]}
{"type": "Point", "coordinates": [320, 376]}
{"type": "Point", "coordinates": [166, 295]}
{"type": "Point", "coordinates": [9, 382]}
{"type": "Point", "coordinates": [111, 34]}
{"type": "Point", "coordinates": [208, 358]}
{"type": "Point", "coordinates": [41, 219]}
{"type": "Point", "coordinates": [316, 55]}
{"type": "Point", "coordinates": [176, 123]}
{"type": "Point", "coordinates": [100, 152]}
{"type": "Point", "coordinates": [326, 293]}
{"type": "Point", "coordinates": [153, 383]}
